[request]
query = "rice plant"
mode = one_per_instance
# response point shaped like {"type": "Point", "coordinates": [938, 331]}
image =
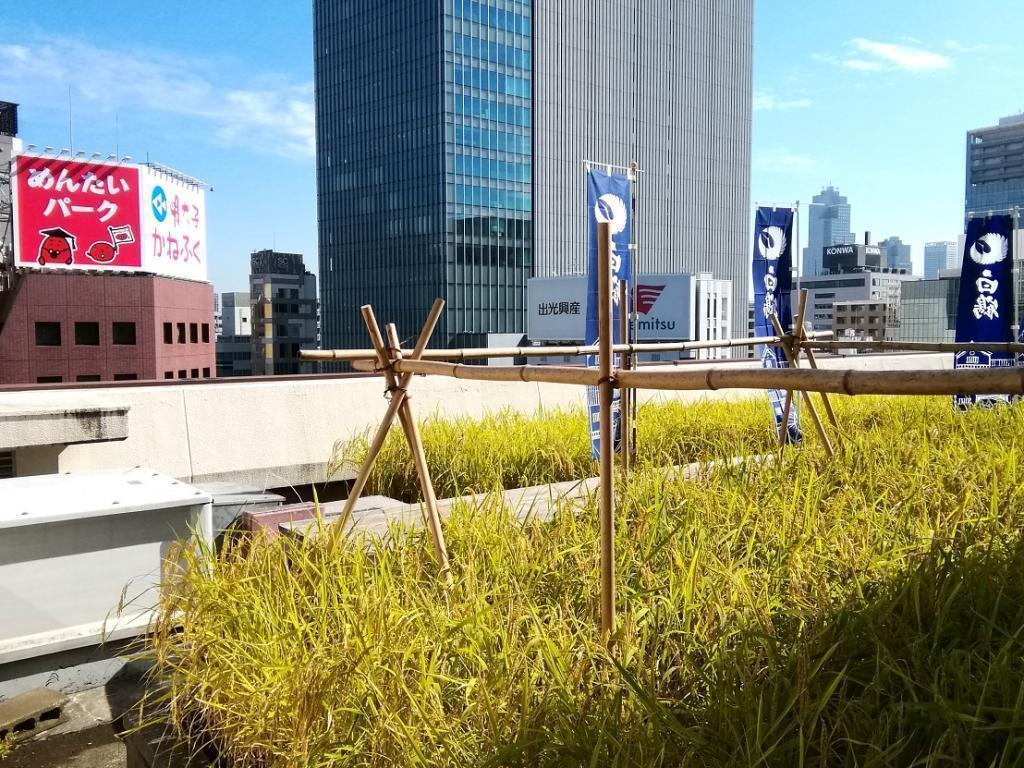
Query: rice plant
{"type": "Point", "coordinates": [513, 450]}
{"type": "Point", "coordinates": [865, 611]}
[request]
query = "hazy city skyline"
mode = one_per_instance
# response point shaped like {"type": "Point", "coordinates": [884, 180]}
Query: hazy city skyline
{"type": "Point", "coordinates": [880, 110]}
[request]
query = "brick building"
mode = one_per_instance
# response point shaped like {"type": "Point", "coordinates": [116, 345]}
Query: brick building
{"type": "Point", "coordinates": [63, 326]}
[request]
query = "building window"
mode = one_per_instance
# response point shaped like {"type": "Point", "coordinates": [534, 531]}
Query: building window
{"type": "Point", "coordinates": [282, 330]}
{"type": "Point", "coordinates": [206, 373]}
{"type": "Point", "coordinates": [195, 373]}
{"type": "Point", "coordinates": [206, 333]}
{"type": "Point", "coordinates": [124, 334]}
{"type": "Point", "coordinates": [126, 377]}
{"type": "Point", "coordinates": [49, 380]}
{"type": "Point", "coordinates": [168, 374]}
{"type": "Point", "coordinates": [182, 374]}
{"type": "Point", "coordinates": [181, 333]}
{"type": "Point", "coordinates": [87, 377]}
{"type": "Point", "coordinates": [193, 333]}
{"type": "Point", "coordinates": [87, 334]}
{"type": "Point", "coordinates": [168, 333]}
{"type": "Point", "coordinates": [282, 350]}
{"type": "Point", "coordinates": [47, 334]}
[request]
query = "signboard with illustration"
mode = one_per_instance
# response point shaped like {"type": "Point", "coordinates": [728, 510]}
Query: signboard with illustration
{"type": "Point", "coordinates": [72, 214]}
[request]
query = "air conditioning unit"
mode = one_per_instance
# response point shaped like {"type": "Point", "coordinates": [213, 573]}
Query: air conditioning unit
{"type": "Point", "coordinates": [82, 555]}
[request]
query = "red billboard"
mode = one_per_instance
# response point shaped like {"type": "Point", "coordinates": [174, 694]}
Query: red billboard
{"type": "Point", "coordinates": [74, 214]}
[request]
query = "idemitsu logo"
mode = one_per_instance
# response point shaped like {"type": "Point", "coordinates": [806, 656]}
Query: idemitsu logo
{"type": "Point", "coordinates": [646, 296]}
{"type": "Point", "coordinates": [772, 243]}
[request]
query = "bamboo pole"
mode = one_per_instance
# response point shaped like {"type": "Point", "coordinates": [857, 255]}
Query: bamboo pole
{"type": "Point", "coordinates": [412, 433]}
{"type": "Point", "coordinates": [552, 374]}
{"type": "Point", "coordinates": [606, 387]}
{"type": "Point", "coordinates": [550, 351]}
{"type": "Point", "coordinates": [794, 365]}
{"type": "Point", "coordinates": [625, 448]}
{"type": "Point", "coordinates": [397, 398]}
{"type": "Point", "coordinates": [406, 419]}
{"type": "Point", "coordinates": [916, 346]}
{"type": "Point", "coordinates": [843, 382]}
{"type": "Point", "coordinates": [787, 346]}
{"type": "Point", "coordinates": [801, 337]}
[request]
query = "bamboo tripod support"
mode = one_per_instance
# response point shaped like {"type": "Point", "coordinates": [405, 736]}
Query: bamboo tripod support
{"type": "Point", "coordinates": [788, 352]}
{"type": "Point", "coordinates": [795, 363]}
{"type": "Point", "coordinates": [801, 337]}
{"type": "Point", "coordinates": [399, 406]}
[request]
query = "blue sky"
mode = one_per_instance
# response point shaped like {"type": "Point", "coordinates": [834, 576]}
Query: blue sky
{"type": "Point", "coordinates": [874, 97]}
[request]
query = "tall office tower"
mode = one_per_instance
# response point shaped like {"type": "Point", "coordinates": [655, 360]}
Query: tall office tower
{"type": "Point", "coordinates": [451, 139]}
{"type": "Point", "coordinates": [939, 255]}
{"type": "Point", "coordinates": [995, 167]}
{"type": "Point", "coordinates": [897, 254]}
{"type": "Point", "coordinates": [828, 223]}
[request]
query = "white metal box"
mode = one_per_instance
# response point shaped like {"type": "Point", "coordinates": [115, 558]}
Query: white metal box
{"type": "Point", "coordinates": [73, 547]}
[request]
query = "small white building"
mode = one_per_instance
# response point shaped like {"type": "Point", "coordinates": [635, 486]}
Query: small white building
{"type": "Point", "coordinates": [713, 305]}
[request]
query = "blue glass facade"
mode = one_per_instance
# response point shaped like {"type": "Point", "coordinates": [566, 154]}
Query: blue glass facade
{"type": "Point", "coordinates": [424, 165]}
{"type": "Point", "coordinates": [452, 134]}
{"type": "Point", "coordinates": [995, 168]}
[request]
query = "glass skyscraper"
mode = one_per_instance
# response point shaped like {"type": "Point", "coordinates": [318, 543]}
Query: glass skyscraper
{"type": "Point", "coordinates": [828, 223]}
{"type": "Point", "coordinates": [938, 255]}
{"type": "Point", "coordinates": [995, 168]}
{"type": "Point", "coordinates": [451, 136]}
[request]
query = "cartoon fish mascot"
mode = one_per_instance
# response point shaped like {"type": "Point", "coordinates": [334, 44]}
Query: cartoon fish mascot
{"type": "Point", "coordinates": [58, 247]}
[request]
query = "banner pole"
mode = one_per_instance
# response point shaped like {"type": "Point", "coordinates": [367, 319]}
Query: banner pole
{"type": "Point", "coordinates": [796, 244]}
{"type": "Point", "coordinates": [625, 396]}
{"type": "Point", "coordinates": [1015, 267]}
{"type": "Point", "coordinates": [605, 391]}
{"type": "Point", "coordinates": [634, 236]}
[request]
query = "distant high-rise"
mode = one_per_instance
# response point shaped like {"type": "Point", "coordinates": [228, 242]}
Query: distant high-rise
{"type": "Point", "coordinates": [995, 167]}
{"type": "Point", "coordinates": [234, 344]}
{"type": "Point", "coordinates": [828, 223]}
{"type": "Point", "coordinates": [285, 316]}
{"type": "Point", "coordinates": [939, 255]}
{"type": "Point", "coordinates": [897, 254]}
{"type": "Point", "coordinates": [451, 140]}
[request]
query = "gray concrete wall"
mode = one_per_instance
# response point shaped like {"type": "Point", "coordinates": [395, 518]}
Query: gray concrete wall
{"type": "Point", "coordinates": [272, 434]}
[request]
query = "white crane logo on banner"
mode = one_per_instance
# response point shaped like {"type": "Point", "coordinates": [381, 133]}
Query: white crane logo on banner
{"type": "Point", "coordinates": [610, 208]}
{"type": "Point", "coordinates": [772, 243]}
{"type": "Point", "coordinates": [990, 248]}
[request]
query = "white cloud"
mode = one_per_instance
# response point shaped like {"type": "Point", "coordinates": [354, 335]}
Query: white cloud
{"type": "Point", "coordinates": [872, 55]}
{"type": "Point", "coordinates": [268, 114]}
{"type": "Point", "coordinates": [782, 161]}
{"type": "Point", "coordinates": [958, 47]}
{"type": "Point", "coordinates": [863, 65]}
{"type": "Point", "coordinates": [766, 101]}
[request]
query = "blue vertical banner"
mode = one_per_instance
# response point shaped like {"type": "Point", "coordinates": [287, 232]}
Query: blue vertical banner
{"type": "Point", "coordinates": [608, 200]}
{"type": "Point", "coordinates": [985, 308]}
{"type": "Point", "coordinates": [773, 286]}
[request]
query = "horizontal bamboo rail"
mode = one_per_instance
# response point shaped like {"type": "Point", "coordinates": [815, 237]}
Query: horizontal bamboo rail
{"type": "Point", "coordinates": [844, 382]}
{"type": "Point", "coordinates": [563, 351]}
{"type": "Point", "coordinates": [551, 374]}
{"type": "Point", "coordinates": [918, 346]}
